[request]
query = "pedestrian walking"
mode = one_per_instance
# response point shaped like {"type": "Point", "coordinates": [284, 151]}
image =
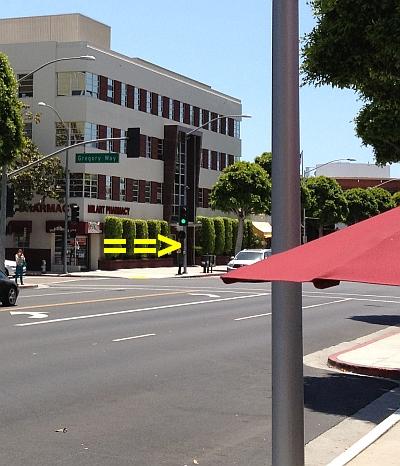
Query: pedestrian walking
{"type": "Point", "coordinates": [20, 263]}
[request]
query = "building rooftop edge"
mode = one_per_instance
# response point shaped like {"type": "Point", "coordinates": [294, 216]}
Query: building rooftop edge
{"type": "Point", "coordinates": [53, 16]}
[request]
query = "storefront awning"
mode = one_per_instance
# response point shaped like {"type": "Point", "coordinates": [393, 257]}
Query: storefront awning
{"type": "Point", "coordinates": [263, 229]}
{"type": "Point", "coordinates": [19, 226]}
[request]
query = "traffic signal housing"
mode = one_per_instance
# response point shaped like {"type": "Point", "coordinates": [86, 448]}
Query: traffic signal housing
{"type": "Point", "coordinates": [183, 216]}
{"type": "Point", "coordinates": [10, 202]}
{"type": "Point", "coordinates": [133, 143]}
{"type": "Point", "coordinates": [74, 213]}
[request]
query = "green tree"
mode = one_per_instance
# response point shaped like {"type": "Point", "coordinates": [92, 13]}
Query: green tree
{"type": "Point", "coordinates": [244, 188]}
{"type": "Point", "coordinates": [11, 136]}
{"type": "Point", "coordinates": [383, 199]}
{"type": "Point", "coordinates": [361, 203]}
{"type": "Point", "coordinates": [327, 204]}
{"type": "Point", "coordinates": [45, 179]}
{"type": "Point", "coordinates": [396, 198]}
{"type": "Point", "coordinates": [265, 161]}
{"type": "Point", "coordinates": [355, 45]}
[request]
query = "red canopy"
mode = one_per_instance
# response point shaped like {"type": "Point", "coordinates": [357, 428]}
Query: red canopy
{"type": "Point", "coordinates": [367, 252]}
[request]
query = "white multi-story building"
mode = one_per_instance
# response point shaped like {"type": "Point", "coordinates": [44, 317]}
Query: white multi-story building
{"type": "Point", "coordinates": [103, 98]}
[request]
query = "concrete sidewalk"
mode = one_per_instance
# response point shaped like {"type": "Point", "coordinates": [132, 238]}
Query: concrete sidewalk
{"type": "Point", "coordinates": [378, 357]}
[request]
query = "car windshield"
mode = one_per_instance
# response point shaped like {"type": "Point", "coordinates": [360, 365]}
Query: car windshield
{"type": "Point", "coordinates": [249, 256]}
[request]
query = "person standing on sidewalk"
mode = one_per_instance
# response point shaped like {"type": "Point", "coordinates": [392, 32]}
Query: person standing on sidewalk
{"type": "Point", "coordinates": [20, 262]}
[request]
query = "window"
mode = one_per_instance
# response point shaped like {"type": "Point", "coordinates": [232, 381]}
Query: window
{"type": "Point", "coordinates": [200, 116]}
{"type": "Point", "coordinates": [71, 83]}
{"type": "Point", "coordinates": [219, 124]}
{"type": "Point", "coordinates": [171, 109]}
{"type": "Point", "coordinates": [160, 105]}
{"type": "Point", "coordinates": [122, 189]}
{"type": "Point", "coordinates": [90, 187]}
{"type": "Point", "coordinates": [92, 85]}
{"type": "Point", "coordinates": [200, 197]}
{"type": "Point", "coordinates": [122, 147]}
{"type": "Point", "coordinates": [76, 184]}
{"type": "Point", "coordinates": [191, 115]}
{"type": "Point", "coordinates": [160, 149]}
{"type": "Point", "coordinates": [236, 129]}
{"type": "Point", "coordinates": [159, 193]}
{"type": "Point", "coordinates": [22, 240]}
{"type": "Point", "coordinates": [148, 101]}
{"type": "Point", "coordinates": [28, 129]}
{"type": "Point", "coordinates": [108, 187]}
{"type": "Point", "coordinates": [91, 132]}
{"type": "Point", "coordinates": [147, 191]}
{"type": "Point", "coordinates": [124, 95]}
{"type": "Point", "coordinates": [218, 161]}
{"type": "Point", "coordinates": [181, 112]}
{"type": "Point", "coordinates": [136, 98]}
{"type": "Point", "coordinates": [110, 90]}
{"type": "Point", "coordinates": [135, 191]}
{"type": "Point", "coordinates": [148, 147]}
{"type": "Point", "coordinates": [109, 143]}
{"type": "Point", "coordinates": [25, 86]}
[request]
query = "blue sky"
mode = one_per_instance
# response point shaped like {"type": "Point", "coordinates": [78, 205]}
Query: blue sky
{"type": "Point", "coordinates": [227, 46]}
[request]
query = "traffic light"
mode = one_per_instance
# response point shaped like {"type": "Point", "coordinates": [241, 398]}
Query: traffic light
{"type": "Point", "coordinates": [183, 216]}
{"type": "Point", "coordinates": [133, 143]}
{"type": "Point", "coordinates": [74, 213]}
{"type": "Point", "coordinates": [10, 202]}
{"type": "Point", "coordinates": [181, 235]}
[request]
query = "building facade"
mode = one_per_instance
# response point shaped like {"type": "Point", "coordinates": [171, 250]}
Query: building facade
{"type": "Point", "coordinates": [102, 98]}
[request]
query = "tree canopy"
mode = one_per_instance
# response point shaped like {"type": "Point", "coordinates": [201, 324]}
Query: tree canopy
{"type": "Point", "coordinates": [361, 203]}
{"type": "Point", "coordinates": [265, 161]}
{"type": "Point", "coordinates": [383, 198]}
{"type": "Point", "coordinates": [355, 45]}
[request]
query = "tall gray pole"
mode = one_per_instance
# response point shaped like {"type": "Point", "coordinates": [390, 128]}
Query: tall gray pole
{"type": "Point", "coordinates": [287, 341]}
{"type": "Point", "coordinates": [185, 228]}
{"type": "Point", "coordinates": [65, 259]}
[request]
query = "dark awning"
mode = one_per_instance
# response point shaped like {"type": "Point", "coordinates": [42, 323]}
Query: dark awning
{"type": "Point", "coordinates": [19, 226]}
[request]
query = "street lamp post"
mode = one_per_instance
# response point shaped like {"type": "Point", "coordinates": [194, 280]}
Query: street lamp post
{"type": "Point", "coordinates": [66, 206]}
{"type": "Point", "coordinates": [304, 173]}
{"type": "Point", "coordinates": [187, 135]}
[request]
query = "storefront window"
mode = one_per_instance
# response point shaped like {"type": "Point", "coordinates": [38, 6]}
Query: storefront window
{"type": "Point", "coordinates": [22, 240]}
{"type": "Point", "coordinates": [90, 186]}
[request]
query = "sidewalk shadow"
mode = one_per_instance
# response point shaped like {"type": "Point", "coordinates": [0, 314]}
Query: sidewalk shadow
{"type": "Point", "coordinates": [378, 319]}
{"type": "Point", "coordinates": [343, 394]}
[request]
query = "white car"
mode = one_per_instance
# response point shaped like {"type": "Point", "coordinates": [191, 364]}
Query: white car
{"type": "Point", "coordinates": [247, 257]}
{"type": "Point", "coordinates": [11, 267]}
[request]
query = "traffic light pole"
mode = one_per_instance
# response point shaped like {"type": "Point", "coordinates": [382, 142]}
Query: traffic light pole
{"type": "Point", "coordinates": [185, 228]}
{"type": "Point", "coordinates": [66, 210]}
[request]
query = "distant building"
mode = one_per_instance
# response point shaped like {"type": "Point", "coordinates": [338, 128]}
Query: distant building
{"type": "Point", "coordinates": [102, 98]}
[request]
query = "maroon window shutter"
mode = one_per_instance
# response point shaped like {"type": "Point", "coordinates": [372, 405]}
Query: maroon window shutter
{"type": "Point", "coordinates": [101, 186]}
{"type": "Point", "coordinates": [205, 197]}
{"type": "Point", "coordinates": [205, 158]}
{"type": "Point", "coordinates": [116, 144]}
{"type": "Point", "coordinates": [175, 116]}
{"type": "Point", "coordinates": [230, 126]}
{"type": "Point", "coordinates": [154, 103]}
{"type": "Point", "coordinates": [142, 148]}
{"type": "Point", "coordinates": [117, 92]}
{"type": "Point", "coordinates": [186, 113]}
{"type": "Point", "coordinates": [129, 189]}
{"type": "Point", "coordinates": [206, 118]}
{"type": "Point", "coordinates": [142, 187]}
{"type": "Point", "coordinates": [223, 125]}
{"type": "Point", "coordinates": [213, 160]}
{"type": "Point", "coordinates": [196, 121]}
{"type": "Point", "coordinates": [222, 163]}
{"type": "Point", "coordinates": [154, 186]}
{"type": "Point", "coordinates": [103, 88]}
{"type": "Point", "coordinates": [102, 134]}
{"type": "Point", "coordinates": [165, 110]}
{"type": "Point", "coordinates": [115, 188]}
{"type": "Point", "coordinates": [142, 103]}
{"type": "Point", "coordinates": [214, 124]}
{"type": "Point", "coordinates": [130, 92]}
{"type": "Point", "coordinates": [231, 159]}
{"type": "Point", "coordinates": [154, 148]}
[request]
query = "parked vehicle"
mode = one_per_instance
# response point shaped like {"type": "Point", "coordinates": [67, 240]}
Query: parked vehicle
{"type": "Point", "coordinates": [11, 267]}
{"type": "Point", "coordinates": [8, 291]}
{"type": "Point", "coordinates": [247, 257]}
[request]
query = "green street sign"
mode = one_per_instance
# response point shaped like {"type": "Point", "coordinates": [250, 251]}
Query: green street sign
{"type": "Point", "coordinates": [90, 157]}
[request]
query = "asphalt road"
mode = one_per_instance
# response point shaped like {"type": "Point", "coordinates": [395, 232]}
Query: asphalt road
{"type": "Point", "coordinates": [170, 371]}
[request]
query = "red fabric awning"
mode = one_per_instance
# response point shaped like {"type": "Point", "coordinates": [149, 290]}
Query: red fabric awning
{"type": "Point", "coordinates": [367, 252]}
{"type": "Point", "coordinates": [18, 226]}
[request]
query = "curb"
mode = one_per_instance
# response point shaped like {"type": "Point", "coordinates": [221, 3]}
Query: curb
{"type": "Point", "coordinates": [384, 372]}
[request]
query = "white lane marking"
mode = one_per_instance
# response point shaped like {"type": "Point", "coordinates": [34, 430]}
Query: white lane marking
{"type": "Point", "coordinates": [252, 317]}
{"type": "Point", "coordinates": [328, 294]}
{"type": "Point", "coordinates": [136, 336]}
{"type": "Point", "coordinates": [55, 294]}
{"type": "Point", "coordinates": [131, 311]}
{"type": "Point", "coordinates": [32, 315]}
{"type": "Point", "coordinates": [205, 294]}
{"type": "Point", "coordinates": [304, 307]}
{"type": "Point", "coordinates": [367, 440]}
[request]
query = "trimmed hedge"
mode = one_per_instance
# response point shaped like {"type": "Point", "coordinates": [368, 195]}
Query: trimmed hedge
{"type": "Point", "coordinates": [129, 233]}
{"type": "Point", "coordinates": [207, 235]}
{"type": "Point", "coordinates": [228, 236]}
{"type": "Point", "coordinates": [113, 229]}
{"type": "Point", "coordinates": [219, 227]}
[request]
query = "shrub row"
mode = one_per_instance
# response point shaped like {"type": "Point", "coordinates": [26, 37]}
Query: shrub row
{"type": "Point", "coordinates": [217, 235]}
{"type": "Point", "coordinates": [131, 228]}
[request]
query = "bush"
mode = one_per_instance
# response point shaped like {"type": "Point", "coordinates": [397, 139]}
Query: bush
{"type": "Point", "coordinates": [228, 236]}
{"type": "Point", "coordinates": [207, 235]}
{"type": "Point", "coordinates": [219, 228]}
{"type": "Point", "coordinates": [113, 230]}
{"type": "Point", "coordinates": [164, 228]}
{"type": "Point", "coordinates": [129, 233]}
{"type": "Point", "coordinates": [235, 226]}
{"type": "Point", "coordinates": [142, 233]}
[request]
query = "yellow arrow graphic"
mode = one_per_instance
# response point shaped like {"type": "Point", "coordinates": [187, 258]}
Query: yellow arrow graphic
{"type": "Point", "coordinates": [174, 245]}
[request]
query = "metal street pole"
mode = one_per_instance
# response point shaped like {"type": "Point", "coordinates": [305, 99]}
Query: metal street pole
{"type": "Point", "coordinates": [287, 338]}
{"type": "Point", "coordinates": [66, 206]}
